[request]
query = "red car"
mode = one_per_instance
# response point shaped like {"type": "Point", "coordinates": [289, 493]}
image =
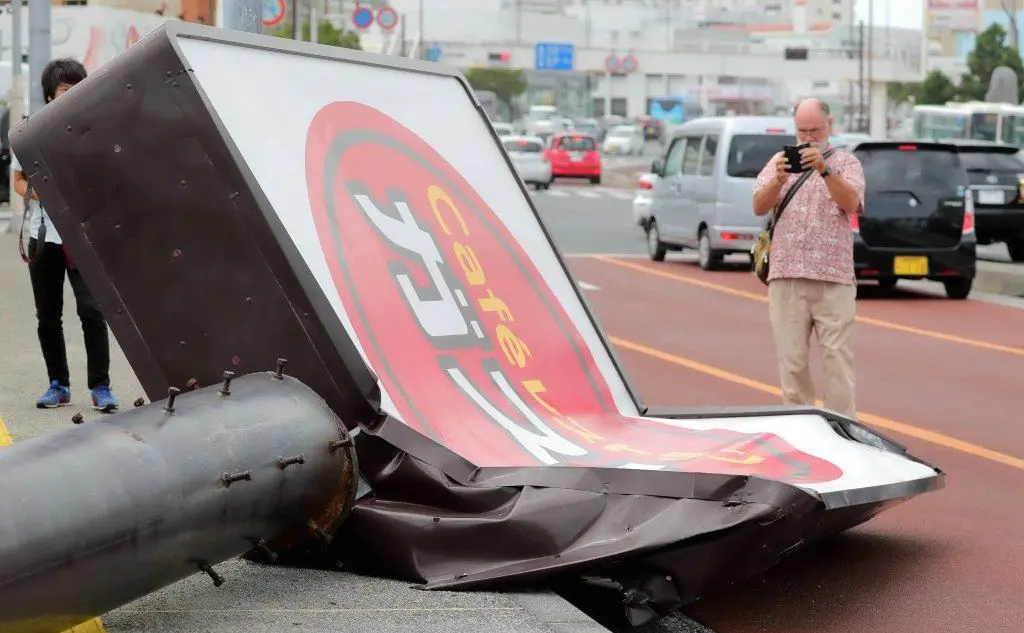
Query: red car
{"type": "Point", "coordinates": [574, 156]}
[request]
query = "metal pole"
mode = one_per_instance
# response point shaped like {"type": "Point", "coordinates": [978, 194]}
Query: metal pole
{"type": "Point", "coordinates": [423, 41]}
{"type": "Point", "coordinates": [40, 51]}
{"type": "Point", "coordinates": [314, 25]}
{"type": "Point", "coordinates": [871, 57]}
{"type": "Point", "coordinates": [296, 20]}
{"type": "Point", "coordinates": [17, 109]}
{"type": "Point", "coordinates": [860, 76]}
{"type": "Point", "coordinates": [243, 15]}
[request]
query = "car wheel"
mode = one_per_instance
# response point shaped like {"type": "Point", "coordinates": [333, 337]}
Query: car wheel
{"type": "Point", "coordinates": [595, 181]}
{"type": "Point", "coordinates": [958, 288]}
{"type": "Point", "coordinates": [707, 259]}
{"type": "Point", "coordinates": [655, 247]}
{"type": "Point", "coordinates": [1016, 248]}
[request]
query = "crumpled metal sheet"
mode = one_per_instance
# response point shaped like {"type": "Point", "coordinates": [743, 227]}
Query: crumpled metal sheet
{"type": "Point", "coordinates": [197, 270]}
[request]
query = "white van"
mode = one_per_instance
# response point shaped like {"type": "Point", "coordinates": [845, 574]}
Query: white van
{"type": "Point", "coordinates": [703, 196]}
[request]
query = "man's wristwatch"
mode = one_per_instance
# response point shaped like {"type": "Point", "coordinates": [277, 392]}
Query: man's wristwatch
{"type": "Point", "coordinates": [826, 173]}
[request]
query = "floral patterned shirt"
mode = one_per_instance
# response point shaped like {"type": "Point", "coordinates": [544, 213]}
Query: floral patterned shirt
{"type": "Point", "coordinates": [813, 239]}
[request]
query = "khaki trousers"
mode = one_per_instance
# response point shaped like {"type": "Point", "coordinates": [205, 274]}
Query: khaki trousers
{"type": "Point", "coordinates": [797, 307]}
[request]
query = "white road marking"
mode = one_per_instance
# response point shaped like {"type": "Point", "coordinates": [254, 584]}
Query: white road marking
{"type": "Point", "coordinates": [585, 193]}
{"type": "Point", "coordinates": [558, 193]}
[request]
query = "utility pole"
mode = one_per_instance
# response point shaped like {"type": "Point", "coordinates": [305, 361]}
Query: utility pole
{"type": "Point", "coordinates": [243, 15]}
{"type": "Point", "coordinates": [296, 20]}
{"type": "Point", "coordinates": [40, 50]}
{"type": "Point", "coordinates": [871, 57]}
{"type": "Point", "coordinates": [860, 76]}
{"type": "Point", "coordinates": [17, 109]}
{"type": "Point", "coordinates": [423, 41]}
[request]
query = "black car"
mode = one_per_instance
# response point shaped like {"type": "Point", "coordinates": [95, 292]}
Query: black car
{"type": "Point", "coordinates": [918, 220]}
{"type": "Point", "coordinates": [995, 173]}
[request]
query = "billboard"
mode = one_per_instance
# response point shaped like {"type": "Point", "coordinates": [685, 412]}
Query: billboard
{"type": "Point", "coordinates": [401, 268]}
{"type": "Point", "coordinates": [944, 16]}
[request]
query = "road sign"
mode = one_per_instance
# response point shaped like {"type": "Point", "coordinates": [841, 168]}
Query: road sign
{"type": "Point", "coordinates": [273, 12]}
{"type": "Point", "coordinates": [554, 56]}
{"type": "Point", "coordinates": [629, 64]}
{"type": "Point", "coordinates": [612, 63]}
{"type": "Point", "coordinates": [362, 17]}
{"type": "Point", "coordinates": [387, 18]}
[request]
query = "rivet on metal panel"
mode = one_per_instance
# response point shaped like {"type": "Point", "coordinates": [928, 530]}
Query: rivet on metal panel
{"type": "Point", "coordinates": [35, 163]}
{"type": "Point", "coordinates": [176, 253]}
{"type": "Point", "coordinates": [460, 576]}
{"type": "Point", "coordinates": [192, 384]}
{"type": "Point", "coordinates": [236, 361]}
{"type": "Point", "coordinates": [46, 179]}
{"type": "Point", "coordinates": [117, 148]}
{"type": "Point", "coordinates": [629, 528]}
{"type": "Point", "coordinates": [128, 86]}
{"type": "Point", "coordinates": [226, 389]}
{"type": "Point", "coordinates": [172, 393]}
{"type": "Point", "coordinates": [174, 84]}
{"type": "Point", "coordinates": [182, 183]}
{"type": "Point", "coordinates": [437, 519]}
{"type": "Point", "coordinates": [218, 580]}
{"type": "Point", "coordinates": [69, 128]}
{"type": "Point", "coordinates": [139, 402]}
{"type": "Point", "coordinates": [261, 547]}
{"type": "Point", "coordinates": [336, 444]}
{"type": "Point", "coordinates": [319, 531]}
{"type": "Point", "coordinates": [234, 195]}
{"type": "Point", "coordinates": [77, 418]}
{"type": "Point", "coordinates": [168, 73]}
{"type": "Point", "coordinates": [181, 343]}
{"type": "Point", "coordinates": [279, 372]}
{"type": "Point", "coordinates": [229, 478]}
{"type": "Point", "coordinates": [248, 300]}
{"type": "Point", "coordinates": [285, 462]}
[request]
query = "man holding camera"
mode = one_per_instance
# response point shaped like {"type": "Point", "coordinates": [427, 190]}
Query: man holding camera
{"type": "Point", "coordinates": [811, 283]}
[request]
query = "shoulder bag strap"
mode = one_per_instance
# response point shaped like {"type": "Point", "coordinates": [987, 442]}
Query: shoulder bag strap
{"type": "Point", "coordinates": [792, 192]}
{"type": "Point", "coordinates": [27, 200]}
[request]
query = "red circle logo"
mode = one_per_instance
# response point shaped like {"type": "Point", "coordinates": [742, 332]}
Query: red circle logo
{"type": "Point", "coordinates": [465, 335]}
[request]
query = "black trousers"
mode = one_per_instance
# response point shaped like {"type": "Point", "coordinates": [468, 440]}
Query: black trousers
{"type": "Point", "coordinates": [47, 271]}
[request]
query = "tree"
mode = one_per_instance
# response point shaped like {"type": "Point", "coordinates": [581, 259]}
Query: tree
{"type": "Point", "coordinates": [902, 92]}
{"type": "Point", "coordinates": [937, 88]}
{"type": "Point", "coordinates": [325, 32]}
{"type": "Point", "coordinates": [990, 51]}
{"type": "Point", "coordinates": [506, 83]}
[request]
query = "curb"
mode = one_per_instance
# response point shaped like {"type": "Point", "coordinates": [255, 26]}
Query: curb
{"type": "Point", "coordinates": [1000, 279]}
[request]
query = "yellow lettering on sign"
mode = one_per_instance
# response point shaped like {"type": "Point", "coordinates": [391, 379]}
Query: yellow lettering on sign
{"type": "Point", "coordinates": [535, 388]}
{"type": "Point", "coordinates": [470, 264]}
{"type": "Point", "coordinates": [435, 194]}
{"type": "Point", "coordinates": [516, 351]}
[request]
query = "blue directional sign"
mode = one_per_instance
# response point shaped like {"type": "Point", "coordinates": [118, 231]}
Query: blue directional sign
{"type": "Point", "coordinates": [554, 56]}
{"type": "Point", "coordinates": [433, 53]}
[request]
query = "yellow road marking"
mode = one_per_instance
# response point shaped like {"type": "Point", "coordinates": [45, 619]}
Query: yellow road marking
{"type": "Point", "coordinates": [868, 418]}
{"type": "Point", "coordinates": [889, 325]}
{"type": "Point", "coordinates": [94, 625]}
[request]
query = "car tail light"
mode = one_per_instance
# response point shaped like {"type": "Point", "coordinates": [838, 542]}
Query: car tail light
{"type": "Point", "coordinates": [855, 223]}
{"type": "Point", "coordinates": [907, 148]}
{"type": "Point", "coordinates": [968, 214]}
{"type": "Point", "coordinates": [645, 184]}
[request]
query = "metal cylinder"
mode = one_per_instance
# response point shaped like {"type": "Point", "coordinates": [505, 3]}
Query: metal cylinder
{"type": "Point", "coordinates": [99, 514]}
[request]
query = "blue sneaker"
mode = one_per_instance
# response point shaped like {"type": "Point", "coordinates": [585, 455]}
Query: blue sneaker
{"type": "Point", "coordinates": [56, 396]}
{"type": "Point", "coordinates": [103, 400]}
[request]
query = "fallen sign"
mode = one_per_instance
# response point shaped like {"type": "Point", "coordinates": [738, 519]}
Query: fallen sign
{"type": "Point", "coordinates": [400, 266]}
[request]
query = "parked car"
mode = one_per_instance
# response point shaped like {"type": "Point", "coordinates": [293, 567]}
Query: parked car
{"type": "Point", "coordinates": [575, 156]}
{"type": "Point", "coordinates": [530, 160]}
{"type": "Point", "coordinates": [918, 220]}
{"type": "Point", "coordinates": [702, 196]}
{"type": "Point", "coordinates": [624, 139]}
{"type": "Point", "coordinates": [642, 198]}
{"type": "Point", "coordinates": [995, 174]}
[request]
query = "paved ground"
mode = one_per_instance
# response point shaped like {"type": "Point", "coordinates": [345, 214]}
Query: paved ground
{"type": "Point", "coordinates": [941, 376]}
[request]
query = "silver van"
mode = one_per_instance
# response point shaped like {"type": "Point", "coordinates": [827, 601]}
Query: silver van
{"type": "Point", "coordinates": [703, 196]}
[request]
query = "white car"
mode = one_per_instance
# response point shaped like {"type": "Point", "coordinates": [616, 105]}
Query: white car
{"type": "Point", "coordinates": [624, 139]}
{"type": "Point", "coordinates": [531, 163]}
{"type": "Point", "coordinates": [642, 199]}
{"type": "Point", "coordinates": [502, 129]}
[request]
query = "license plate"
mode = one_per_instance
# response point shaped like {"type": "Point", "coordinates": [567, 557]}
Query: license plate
{"type": "Point", "coordinates": [575, 157]}
{"type": "Point", "coordinates": [990, 197]}
{"type": "Point", "coordinates": [612, 148]}
{"type": "Point", "coordinates": [910, 265]}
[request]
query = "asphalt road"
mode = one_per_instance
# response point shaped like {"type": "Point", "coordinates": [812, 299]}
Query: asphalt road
{"type": "Point", "coordinates": [942, 377]}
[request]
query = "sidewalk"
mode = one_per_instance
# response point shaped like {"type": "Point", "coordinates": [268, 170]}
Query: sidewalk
{"type": "Point", "coordinates": [253, 599]}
